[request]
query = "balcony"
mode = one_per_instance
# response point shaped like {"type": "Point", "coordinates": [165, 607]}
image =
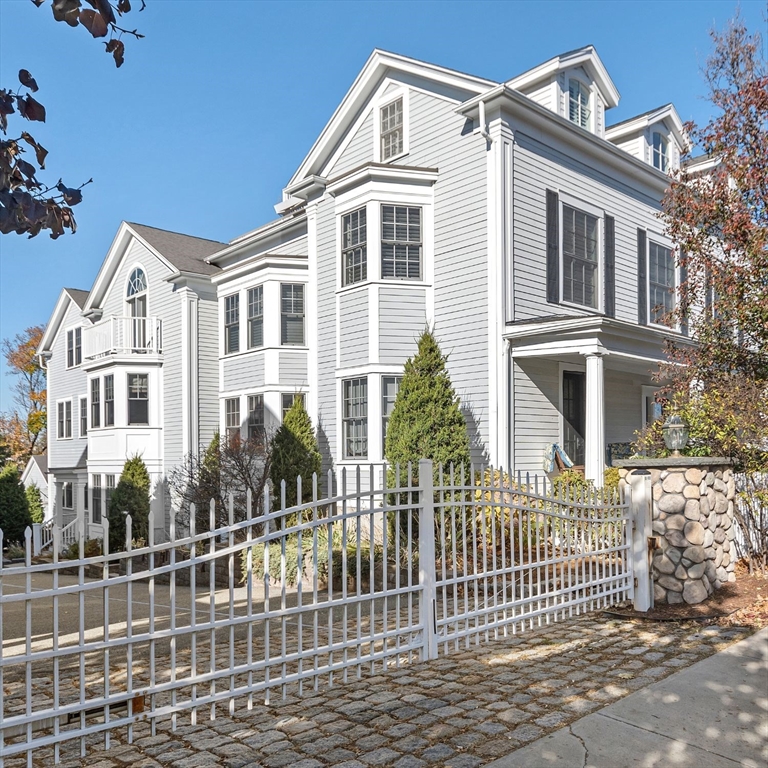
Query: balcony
{"type": "Point", "coordinates": [123, 336]}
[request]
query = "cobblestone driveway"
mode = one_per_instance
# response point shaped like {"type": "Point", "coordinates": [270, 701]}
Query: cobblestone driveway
{"type": "Point", "coordinates": [462, 710]}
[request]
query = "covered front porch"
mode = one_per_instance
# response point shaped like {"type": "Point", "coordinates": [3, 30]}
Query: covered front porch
{"type": "Point", "coordinates": [585, 383]}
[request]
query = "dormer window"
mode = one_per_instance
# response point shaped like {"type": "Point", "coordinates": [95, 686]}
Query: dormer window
{"type": "Point", "coordinates": [392, 129]}
{"type": "Point", "coordinates": [578, 103]}
{"type": "Point", "coordinates": [660, 152]}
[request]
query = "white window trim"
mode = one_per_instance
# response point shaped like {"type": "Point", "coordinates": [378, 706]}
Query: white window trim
{"type": "Point", "coordinates": [239, 295]}
{"type": "Point", "coordinates": [71, 485]}
{"type": "Point", "coordinates": [75, 364]}
{"type": "Point", "coordinates": [80, 401]}
{"type": "Point", "coordinates": [370, 456]}
{"type": "Point", "coordinates": [280, 313]}
{"type": "Point", "coordinates": [662, 241]}
{"type": "Point", "coordinates": [599, 214]}
{"type": "Point", "coordinates": [373, 195]}
{"type": "Point", "coordinates": [71, 418]}
{"type": "Point", "coordinates": [592, 103]}
{"type": "Point", "coordinates": [664, 133]}
{"type": "Point", "coordinates": [400, 93]}
{"type": "Point", "coordinates": [145, 292]}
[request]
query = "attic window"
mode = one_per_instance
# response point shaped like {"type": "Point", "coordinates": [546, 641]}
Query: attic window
{"type": "Point", "coordinates": [392, 129]}
{"type": "Point", "coordinates": [578, 103]}
{"type": "Point", "coordinates": [137, 283]}
{"type": "Point", "coordinates": [660, 152]}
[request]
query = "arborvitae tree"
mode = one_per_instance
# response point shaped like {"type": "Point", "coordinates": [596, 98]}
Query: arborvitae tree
{"type": "Point", "coordinates": [426, 422]}
{"type": "Point", "coordinates": [14, 510]}
{"type": "Point", "coordinates": [35, 503]}
{"type": "Point", "coordinates": [295, 453]}
{"type": "Point", "coordinates": [131, 496]}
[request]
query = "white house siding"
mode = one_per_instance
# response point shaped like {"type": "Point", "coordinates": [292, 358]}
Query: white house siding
{"type": "Point", "coordinates": [208, 366]}
{"type": "Point", "coordinates": [634, 146]}
{"type": "Point", "coordinates": [536, 415]}
{"type": "Point", "coordinates": [65, 383]}
{"type": "Point", "coordinates": [358, 151]}
{"type": "Point", "coordinates": [353, 322]}
{"type": "Point", "coordinates": [243, 372]}
{"type": "Point", "coordinates": [541, 94]}
{"type": "Point", "coordinates": [538, 167]}
{"type": "Point", "coordinates": [461, 273]}
{"type": "Point", "coordinates": [623, 405]}
{"type": "Point", "coordinates": [293, 369]}
{"type": "Point", "coordinates": [402, 318]}
{"type": "Point", "coordinates": [296, 246]}
{"type": "Point", "coordinates": [326, 329]}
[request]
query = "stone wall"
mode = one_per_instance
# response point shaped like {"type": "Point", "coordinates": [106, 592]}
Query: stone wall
{"type": "Point", "coordinates": [693, 522]}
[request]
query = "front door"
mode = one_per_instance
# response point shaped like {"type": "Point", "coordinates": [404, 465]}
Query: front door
{"type": "Point", "coordinates": [574, 414]}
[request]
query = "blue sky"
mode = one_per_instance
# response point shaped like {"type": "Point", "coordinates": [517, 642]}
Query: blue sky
{"type": "Point", "coordinates": [213, 111]}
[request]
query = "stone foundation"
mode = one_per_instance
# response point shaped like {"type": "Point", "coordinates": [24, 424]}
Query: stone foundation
{"type": "Point", "coordinates": [693, 523]}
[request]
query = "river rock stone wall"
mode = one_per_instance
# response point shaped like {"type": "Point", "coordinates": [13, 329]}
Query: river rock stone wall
{"type": "Point", "coordinates": [693, 521]}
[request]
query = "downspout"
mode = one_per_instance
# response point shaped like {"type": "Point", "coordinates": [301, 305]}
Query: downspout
{"type": "Point", "coordinates": [483, 126]}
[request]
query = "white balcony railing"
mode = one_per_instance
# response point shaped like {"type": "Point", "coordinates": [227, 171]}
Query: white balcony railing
{"type": "Point", "coordinates": [123, 336]}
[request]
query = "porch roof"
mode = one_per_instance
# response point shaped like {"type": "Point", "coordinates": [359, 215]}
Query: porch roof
{"type": "Point", "coordinates": [623, 342]}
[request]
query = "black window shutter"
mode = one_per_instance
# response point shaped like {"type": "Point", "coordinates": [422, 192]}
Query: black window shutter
{"type": "Point", "coordinates": [610, 267]}
{"type": "Point", "coordinates": [553, 247]}
{"type": "Point", "coordinates": [642, 280]}
{"type": "Point", "coordinates": [683, 278]}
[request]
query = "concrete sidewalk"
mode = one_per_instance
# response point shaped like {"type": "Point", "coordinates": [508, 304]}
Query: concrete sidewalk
{"type": "Point", "coordinates": [713, 713]}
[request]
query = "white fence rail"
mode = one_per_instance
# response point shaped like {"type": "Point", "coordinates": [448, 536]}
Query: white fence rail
{"type": "Point", "coordinates": [385, 569]}
{"type": "Point", "coordinates": [122, 335]}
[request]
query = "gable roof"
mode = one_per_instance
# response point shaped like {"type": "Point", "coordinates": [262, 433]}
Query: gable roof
{"type": "Point", "coordinates": [186, 252]}
{"type": "Point", "coordinates": [640, 122]}
{"type": "Point", "coordinates": [378, 64]}
{"type": "Point", "coordinates": [179, 253]}
{"type": "Point", "coordinates": [38, 461]}
{"type": "Point", "coordinates": [580, 57]}
{"type": "Point", "coordinates": [66, 297]}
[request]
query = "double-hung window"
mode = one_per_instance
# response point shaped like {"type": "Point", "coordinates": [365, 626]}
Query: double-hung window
{"type": "Point", "coordinates": [292, 314]}
{"type": "Point", "coordinates": [95, 403]}
{"type": "Point", "coordinates": [392, 129]}
{"type": "Point", "coordinates": [661, 283]}
{"type": "Point", "coordinates": [232, 417]}
{"type": "Point", "coordinates": [660, 152]}
{"type": "Point", "coordinates": [64, 420]}
{"type": "Point", "coordinates": [389, 389]}
{"type": "Point", "coordinates": [138, 398]}
{"type": "Point", "coordinates": [581, 257]}
{"type": "Point", "coordinates": [355, 418]}
{"type": "Point", "coordinates": [255, 417]}
{"type": "Point", "coordinates": [109, 401]}
{"type": "Point", "coordinates": [232, 324]}
{"type": "Point", "coordinates": [109, 487]}
{"type": "Point", "coordinates": [96, 506]}
{"type": "Point", "coordinates": [256, 317]}
{"type": "Point", "coordinates": [401, 242]}
{"type": "Point", "coordinates": [83, 416]}
{"type": "Point", "coordinates": [67, 496]}
{"type": "Point", "coordinates": [578, 103]}
{"type": "Point", "coordinates": [354, 255]}
{"type": "Point", "coordinates": [74, 347]}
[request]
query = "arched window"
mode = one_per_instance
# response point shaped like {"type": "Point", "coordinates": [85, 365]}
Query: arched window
{"type": "Point", "coordinates": [660, 152]}
{"type": "Point", "coordinates": [137, 282]}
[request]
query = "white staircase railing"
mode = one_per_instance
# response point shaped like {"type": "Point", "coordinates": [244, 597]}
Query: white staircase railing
{"type": "Point", "coordinates": [68, 534]}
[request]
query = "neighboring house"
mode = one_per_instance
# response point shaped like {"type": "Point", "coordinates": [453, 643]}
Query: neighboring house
{"type": "Point", "coordinates": [507, 216]}
{"type": "Point", "coordinates": [132, 370]}
{"type": "Point", "coordinates": [36, 473]}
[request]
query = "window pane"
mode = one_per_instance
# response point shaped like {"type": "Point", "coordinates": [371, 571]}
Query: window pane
{"type": "Point", "coordinates": [354, 249]}
{"type": "Point", "coordinates": [401, 242]}
{"type": "Point", "coordinates": [580, 257]}
{"type": "Point", "coordinates": [661, 283]}
{"type": "Point", "coordinates": [355, 417]}
{"type": "Point", "coordinates": [78, 346]}
{"type": "Point", "coordinates": [96, 506]}
{"type": "Point", "coordinates": [288, 399]}
{"type": "Point", "coordinates": [392, 129]}
{"type": "Point", "coordinates": [255, 416]}
{"type": "Point", "coordinates": [83, 416]}
{"type": "Point", "coordinates": [138, 398]}
{"type": "Point", "coordinates": [390, 385]}
{"type": "Point", "coordinates": [95, 403]}
{"type": "Point", "coordinates": [292, 314]}
{"type": "Point", "coordinates": [232, 416]}
{"type": "Point", "coordinates": [70, 349]}
{"type": "Point", "coordinates": [231, 324]}
{"type": "Point", "coordinates": [109, 400]}
{"type": "Point", "coordinates": [256, 317]}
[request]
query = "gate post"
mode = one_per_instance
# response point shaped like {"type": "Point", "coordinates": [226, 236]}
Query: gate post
{"type": "Point", "coordinates": [427, 605]}
{"type": "Point", "coordinates": [640, 508]}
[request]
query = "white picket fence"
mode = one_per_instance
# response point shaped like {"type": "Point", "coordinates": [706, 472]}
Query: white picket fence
{"type": "Point", "coordinates": [391, 568]}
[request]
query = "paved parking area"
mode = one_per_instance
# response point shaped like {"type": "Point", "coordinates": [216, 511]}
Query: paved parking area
{"type": "Point", "coordinates": [462, 710]}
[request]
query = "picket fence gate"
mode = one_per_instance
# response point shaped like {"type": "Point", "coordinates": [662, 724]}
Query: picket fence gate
{"type": "Point", "coordinates": [394, 565]}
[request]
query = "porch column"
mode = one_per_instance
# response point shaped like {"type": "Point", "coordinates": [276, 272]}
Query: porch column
{"type": "Point", "coordinates": [594, 438]}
